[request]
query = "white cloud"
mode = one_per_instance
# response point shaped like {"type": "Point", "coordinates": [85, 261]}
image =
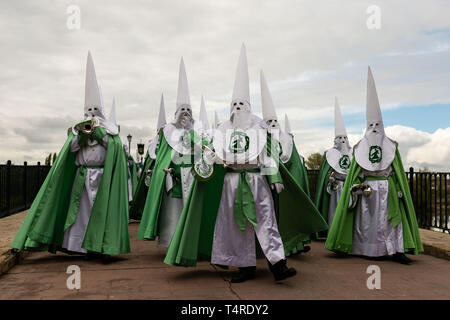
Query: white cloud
{"type": "Point", "coordinates": [310, 52]}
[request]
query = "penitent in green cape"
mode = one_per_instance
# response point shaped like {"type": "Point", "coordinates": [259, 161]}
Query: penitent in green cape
{"type": "Point", "coordinates": [133, 173]}
{"type": "Point", "coordinates": [322, 198]}
{"type": "Point", "coordinates": [298, 172]}
{"type": "Point", "coordinates": [52, 211]}
{"type": "Point", "coordinates": [193, 237]}
{"type": "Point", "coordinates": [141, 191]}
{"type": "Point", "coordinates": [340, 235]}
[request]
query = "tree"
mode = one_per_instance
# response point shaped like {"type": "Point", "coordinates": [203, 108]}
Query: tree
{"type": "Point", "coordinates": [54, 158]}
{"type": "Point", "coordinates": [314, 161]}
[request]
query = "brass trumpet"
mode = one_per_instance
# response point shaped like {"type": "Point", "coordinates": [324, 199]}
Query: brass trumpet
{"type": "Point", "coordinates": [88, 127]}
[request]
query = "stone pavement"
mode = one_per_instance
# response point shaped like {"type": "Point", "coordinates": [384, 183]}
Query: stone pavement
{"type": "Point", "coordinates": [142, 275]}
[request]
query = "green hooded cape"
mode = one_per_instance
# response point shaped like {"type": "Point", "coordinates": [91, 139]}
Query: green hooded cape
{"type": "Point", "coordinates": [340, 235]}
{"type": "Point", "coordinates": [55, 206]}
{"type": "Point", "coordinates": [193, 237]}
{"type": "Point", "coordinates": [140, 193]}
{"type": "Point", "coordinates": [322, 198]}
{"type": "Point", "coordinates": [133, 172]}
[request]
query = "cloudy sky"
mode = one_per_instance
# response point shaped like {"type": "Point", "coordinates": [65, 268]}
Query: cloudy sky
{"type": "Point", "coordinates": [311, 51]}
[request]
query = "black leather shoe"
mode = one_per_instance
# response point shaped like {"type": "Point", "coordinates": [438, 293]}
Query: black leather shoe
{"type": "Point", "coordinates": [247, 273]}
{"type": "Point", "coordinates": [401, 258]}
{"type": "Point", "coordinates": [281, 271]}
{"type": "Point", "coordinates": [90, 256]}
{"type": "Point", "coordinates": [107, 259]}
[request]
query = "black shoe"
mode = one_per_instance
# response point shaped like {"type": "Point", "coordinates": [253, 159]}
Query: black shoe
{"type": "Point", "coordinates": [90, 256]}
{"type": "Point", "coordinates": [247, 273]}
{"type": "Point", "coordinates": [281, 271]}
{"type": "Point", "coordinates": [305, 249]}
{"type": "Point", "coordinates": [107, 259]}
{"type": "Point", "coordinates": [401, 258]}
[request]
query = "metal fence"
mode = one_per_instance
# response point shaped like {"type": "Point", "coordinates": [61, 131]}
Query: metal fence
{"type": "Point", "coordinates": [19, 185]}
{"type": "Point", "coordinates": [430, 192]}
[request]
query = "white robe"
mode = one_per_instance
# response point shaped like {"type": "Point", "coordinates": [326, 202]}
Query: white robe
{"type": "Point", "coordinates": [373, 234]}
{"type": "Point", "coordinates": [231, 246]}
{"type": "Point", "coordinates": [89, 155]}
{"type": "Point", "coordinates": [334, 199]}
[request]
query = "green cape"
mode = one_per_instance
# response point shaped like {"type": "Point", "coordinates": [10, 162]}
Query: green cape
{"type": "Point", "coordinates": [298, 171]}
{"type": "Point", "coordinates": [322, 198]}
{"type": "Point", "coordinates": [133, 172]}
{"type": "Point", "coordinates": [49, 215]}
{"type": "Point", "coordinates": [140, 193]}
{"type": "Point", "coordinates": [340, 235]}
{"type": "Point", "coordinates": [193, 237]}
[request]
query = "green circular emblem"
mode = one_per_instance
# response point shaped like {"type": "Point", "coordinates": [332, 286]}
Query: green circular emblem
{"type": "Point", "coordinates": [344, 162]}
{"type": "Point", "coordinates": [375, 154]}
{"type": "Point", "coordinates": [239, 142]}
{"type": "Point", "coordinates": [203, 170]}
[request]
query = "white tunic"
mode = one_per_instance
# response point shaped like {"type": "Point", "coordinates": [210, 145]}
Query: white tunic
{"type": "Point", "coordinates": [231, 246]}
{"type": "Point", "coordinates": [373, 234]}
{"type": "Point", "coordinates": [92, 154]}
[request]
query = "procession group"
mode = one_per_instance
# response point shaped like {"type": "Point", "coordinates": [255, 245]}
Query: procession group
{"type": "Point", "coordinates": [227, 194]}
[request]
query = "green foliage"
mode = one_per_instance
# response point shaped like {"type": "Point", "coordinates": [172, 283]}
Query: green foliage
{"type": "Point", "coordinates": [314, 161]}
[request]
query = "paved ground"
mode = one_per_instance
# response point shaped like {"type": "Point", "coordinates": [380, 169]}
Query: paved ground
{"type": "Point", "coordinates": [143, 275]}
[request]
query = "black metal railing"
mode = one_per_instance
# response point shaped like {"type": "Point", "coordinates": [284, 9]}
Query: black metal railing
{"type": "Point", "coordinates": [430, 192]}
{"type": "Point", "coordinates": [19, 185]}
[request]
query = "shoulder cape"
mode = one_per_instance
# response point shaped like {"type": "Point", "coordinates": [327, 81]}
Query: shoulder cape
{"type": "Point", "coordinates": [340, 235]}
{"type": "Point", "coordinates": [194, 234]}
{"type": "Point", "coordinates": [140, 193]}
{"type": "Point", "coordinates": [107, 231]}
{"type": "Point", "coordinates": [322, 198]}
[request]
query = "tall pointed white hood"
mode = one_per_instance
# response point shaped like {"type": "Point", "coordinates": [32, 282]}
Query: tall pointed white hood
{"type": "Point", "coordinates": [339, 126]}
{"type": "Point", "coordinates": [216, 120]}
{"type": "Point", "coordinates": [340, 155]}
{"type": "Point", "coordinates": [203, 117]}
{"type": "Point", "coordinates": [287, 125]}
{"type": "Point", "coordinates": [112, 113]}
{"type": "Point", "coordinates": [375, 151]}
{"type": "Point", "coordinates": [241, 90]}
{"type": "Point", "coordinates": [93, 101]}
{"type": "Point", "coordinates": [268, 108]}
{"type": "Point", "coordinates": [183, 97]}
{"type": "Point", "coordinates": [162, 114]}
{"type": "Point", "coordinates": [92, 95]}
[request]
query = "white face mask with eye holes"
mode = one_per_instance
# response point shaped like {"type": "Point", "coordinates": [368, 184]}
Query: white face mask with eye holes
{"type": "Point", "coordinates": [240, 113]}
{"type": "Point", "coordinates": [93, 111]}
{"type": "Point", "coordinates": [183, 117]}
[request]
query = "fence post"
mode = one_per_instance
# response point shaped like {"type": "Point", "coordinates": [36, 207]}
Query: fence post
{"type": "Point", "coordinates": [39, 173]}
{"type": "Point", "coordinates": [8, 187]}
{"type": "Point", "coordinates": [25, 183]}
{"type": "Point", "coordinates": [411, 179]}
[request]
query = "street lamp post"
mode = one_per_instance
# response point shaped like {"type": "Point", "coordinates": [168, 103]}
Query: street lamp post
{"type": "Point", "coordinates": [129, 142]}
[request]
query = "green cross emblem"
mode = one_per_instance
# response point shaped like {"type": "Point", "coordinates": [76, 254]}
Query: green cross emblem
{"type": "Point", "coordinates": [344, 162]}
{"type": "Point", "coordinates": [375, 154]}
{"type": "Point", "coordinates": [239, 142]}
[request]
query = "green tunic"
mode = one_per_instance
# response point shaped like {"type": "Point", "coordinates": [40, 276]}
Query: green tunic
{"type": "Point", "coordinates": [52, 212]}
{"type": "Point", "coordinates": [340, 235]}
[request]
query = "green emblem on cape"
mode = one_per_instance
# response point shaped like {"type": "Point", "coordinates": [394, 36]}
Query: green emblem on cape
{"type": "Point", "coordinates": [239, 142]}
{"type": "Point", "coordinates": [344, 162]}
{"type": "Point", "coordinates": [203, 170]}
{"type": "Point", "coordinates": [375, 154]}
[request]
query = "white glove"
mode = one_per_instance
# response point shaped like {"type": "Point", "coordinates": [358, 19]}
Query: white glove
{"type": "Point", "coordinates": [277, 186]}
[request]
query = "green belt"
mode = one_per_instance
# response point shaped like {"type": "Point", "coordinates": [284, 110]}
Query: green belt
{"type": "Point", "coordinates": [244, 204]}
{"type": "Point", "coordinates": [394, 213]}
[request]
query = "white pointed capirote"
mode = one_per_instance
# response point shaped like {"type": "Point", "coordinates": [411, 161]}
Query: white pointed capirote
{"type": "Point", "coordinates": [183, 97]}
{"type": "Point", "coordinates": [373, 111]}
{"type": "Point", "coordinates": [375, 151]}
{"type": "Point", "coordinates": [162, 114]}
{"type": "Point", "coordinates": [92, 96]}
{"type": "Point", "coordinates": [268, 108]}
{"type": "Point", "coordinates": [339, 126]}
{"type": "Point", "coordinates": [241, 89]}
{"type": "Point", "coordinates": [112, 113]}
{"type": "Point", "coordinates": [216, 120]}
{"type": "Point", "coordinates": [287, 125]}
{"type": "Point", "coordinates": [203, 117]}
